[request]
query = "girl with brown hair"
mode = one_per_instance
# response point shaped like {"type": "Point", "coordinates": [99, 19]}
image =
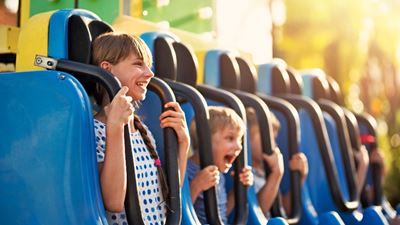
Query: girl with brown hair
{"type": "Point", "coordinates": [129, 60]}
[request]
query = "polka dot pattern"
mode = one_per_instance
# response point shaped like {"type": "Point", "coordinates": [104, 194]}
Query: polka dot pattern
{"type": "Point", "coordinates": [100, 133]}
{"type": "Point", "coordinates": [150, 197]}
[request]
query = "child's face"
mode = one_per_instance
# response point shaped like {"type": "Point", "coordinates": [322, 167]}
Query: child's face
{"type": "Point", "coordinates": [255, 142]}
{"type": "Point", "coordinates": [227, 144]}
{"type": "Point", "coordinates": [135, 74]}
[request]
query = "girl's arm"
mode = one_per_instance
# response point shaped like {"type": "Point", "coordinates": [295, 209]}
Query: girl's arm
{"type": "Point", "coordinates": [287, 203]}
{"type": "Point", "coordinates": [298, 162]}
{"type": "Point", "coordinates": [268, 192]}
{"type": "Point", "coordinates": [176, 120]}
{"type": "Point", "coordinates": [113, 170]}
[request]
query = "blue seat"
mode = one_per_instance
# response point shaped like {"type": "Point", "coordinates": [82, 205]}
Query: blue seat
{"type": "Point", "coordinates": [69, 45]}
{"type": "Point", "coordinates": [222, 71]}
{"type": "Point", "coordinates": [48, 168]}
{"type": "Point", "coordinates": [333, 183]}
{"type": "Point", "coordinates": [338, 131]}
{"type": "Point", "coordinates": [273, 79]}
{"type": "Point", "coordinates": [366, 129]}
{"type": "Point", "coordinates": [242, 83]}
{"type": "Point", "coordinates": [160, 44]}
{"type": "Point", "coordinates": [287, 138]}
{"type": "Point", "coordinates": [187, 72]}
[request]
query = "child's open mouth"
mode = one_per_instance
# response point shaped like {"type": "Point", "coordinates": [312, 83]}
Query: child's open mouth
{"type": "Point", "coordinates": [229, 159]}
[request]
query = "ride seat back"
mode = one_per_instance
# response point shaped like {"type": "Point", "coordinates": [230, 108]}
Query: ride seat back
{"type": "Point", "coordinates": [48, 169]}
{"type": "Point", "coordinates": [317, 86]}
{"type": "Point", "coordinates": [314, 143]}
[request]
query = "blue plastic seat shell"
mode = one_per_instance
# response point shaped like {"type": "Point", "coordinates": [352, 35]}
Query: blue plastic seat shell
{"type": "Point", "coordinates": [48, 169]}
{"type": "Point", "coordinates": [58, 27]}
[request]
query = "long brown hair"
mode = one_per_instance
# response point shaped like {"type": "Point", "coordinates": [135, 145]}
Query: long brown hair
{"type": "Point", "coordinates": [113, 48]}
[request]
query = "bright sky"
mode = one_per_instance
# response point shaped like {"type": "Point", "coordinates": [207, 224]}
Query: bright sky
{"type": "Point", "coordinates": [246, 27]}
{"type": "Point", "coordinates": [12, 5]}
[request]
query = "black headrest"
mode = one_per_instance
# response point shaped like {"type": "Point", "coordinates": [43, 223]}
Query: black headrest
{"type": "Point", "coordinates": [280, 81]}
{"type": "Point", "coordinates": [320, 88]}
{"type": "Point", "coordinates": [164, 58]}
{"type": "Point", "coordinates": [296, 83]}
{"type": "Point", "coordinates": [186, 64]}
{"type": "Point", "coordinates": [334, 91]}
{"type": "Point", "coordinates": [97, 27]}
{"type": "Point", "coordinates": [229, 71]}
{"type": "Point", "coordinates": [247, 76]}
{"type": "Point", "coordinates": [81, 33]}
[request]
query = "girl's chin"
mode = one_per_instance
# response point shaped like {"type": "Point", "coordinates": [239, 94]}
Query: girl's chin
{"type": "Point", "coordinates": [139, 98]}
{"type": "Point", "coordinates": [138, 94]}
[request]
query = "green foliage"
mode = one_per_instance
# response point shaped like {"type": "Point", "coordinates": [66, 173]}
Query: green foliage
{"type": "Point", "coordinates": [180, 14]}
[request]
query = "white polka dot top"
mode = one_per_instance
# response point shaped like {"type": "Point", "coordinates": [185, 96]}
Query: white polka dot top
{"type": "Point", "coordinates": [151, 200]}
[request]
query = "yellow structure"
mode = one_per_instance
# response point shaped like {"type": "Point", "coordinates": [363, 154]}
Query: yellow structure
{"type": "Point", "coordinates": [24, 11]}
{"type": "Point", "coordinates": [32, 41]}
{"type": "Point", "coordinates": [9, 43]}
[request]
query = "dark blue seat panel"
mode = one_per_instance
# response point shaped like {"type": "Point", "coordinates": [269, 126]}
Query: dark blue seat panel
{"type": "Point", "coordinates": [48, 168]}
{"type": "Point", "coordinates": [316, 179]}
{"type": "Point", "coordinates": [277, 221]}
{"type": "Point", "coordinates": [189, 216]}
{"type": "Point", "coordinates": [283, 142]}
{"type": "Point", "coordinates": [330, 218]}
{"type": "Point", "coordinates": [150, 116]}
{"type": "Point", "coordinates": [337, 154]}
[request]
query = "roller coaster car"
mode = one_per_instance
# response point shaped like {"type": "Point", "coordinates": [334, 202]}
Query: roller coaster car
{"type": "Point", "coordinates": [53, 179]}
{"type": "Point", "coordinates": [362, 130]}
{"type": "Point", "coordinates": [290, 139]}
{"type": "Point", "coordinates": [322, 150]}
{"type": "Point", "coordinates": [166, 50]}
{"type": "Point", "coordinates": [223, 70]}
{"type": "Point", "coordinates": [163, 46]}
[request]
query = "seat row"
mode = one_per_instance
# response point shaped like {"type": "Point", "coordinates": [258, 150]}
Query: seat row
{"type": "Point", "coordinates": [53, 179]}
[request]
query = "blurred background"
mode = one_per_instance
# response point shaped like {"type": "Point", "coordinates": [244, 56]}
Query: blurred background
{"type": "Point", "coordinates": [356, 42]}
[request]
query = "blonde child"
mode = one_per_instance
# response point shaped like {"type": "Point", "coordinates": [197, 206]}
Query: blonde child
{"type": "Point", "coordinates": [227, 130]}
{"type": "Point", "coordinates": [267, 189]}
{"type": "Point", "coordinates": [129, 60]}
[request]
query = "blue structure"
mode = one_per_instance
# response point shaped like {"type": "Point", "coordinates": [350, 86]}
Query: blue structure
{"type": "Point", "coordinates": [330, 184]}
{"type": "Point", "coordinates": [287, 137]}
{"type": "Point", "coordinates": [48, 168]}
{"type": "Point", "coordinates": [213, 77]}
{"type": "Point", "coordinates": [70, 36]}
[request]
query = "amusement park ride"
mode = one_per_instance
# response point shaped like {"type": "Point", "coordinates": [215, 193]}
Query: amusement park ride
{"type": "Point", "coordinates": [48, 169]}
